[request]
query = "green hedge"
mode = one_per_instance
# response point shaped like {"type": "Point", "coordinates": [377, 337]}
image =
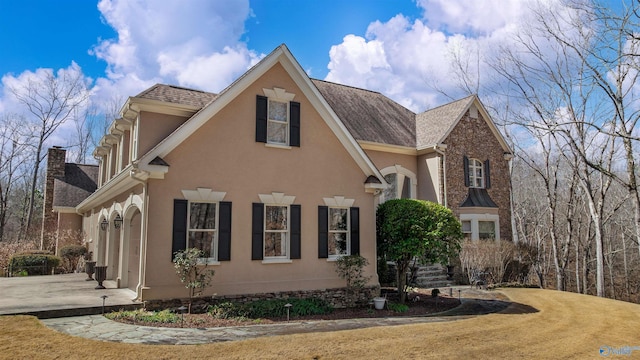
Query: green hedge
{"type": "Point", "coordinates": [34, 263]}
{"type": "Point", "coordinates": [273, 308]}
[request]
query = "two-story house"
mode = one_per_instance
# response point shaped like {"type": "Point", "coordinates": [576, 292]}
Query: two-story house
{"type": "Point", "coordinates": [277, 176]}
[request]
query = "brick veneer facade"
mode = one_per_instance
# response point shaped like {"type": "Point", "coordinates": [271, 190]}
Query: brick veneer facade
{"type": "Point", "coordinates": [473, 137]}
{"type": "Point", "coordinates": [55, 169]}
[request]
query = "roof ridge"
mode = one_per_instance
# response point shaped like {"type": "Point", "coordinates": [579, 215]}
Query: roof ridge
{"type": "Point", "coordinates": [448, 104]}
{"type": "Point", "coordinates": [350, 86]}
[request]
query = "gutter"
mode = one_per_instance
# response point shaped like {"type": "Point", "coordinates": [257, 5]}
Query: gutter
{"type": "Point", "coordinates": [440, 148]}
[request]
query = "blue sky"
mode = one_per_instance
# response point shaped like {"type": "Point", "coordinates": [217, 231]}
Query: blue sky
{"type": "Point", "coordinates": [50, 34]}
{"type": "Point", "coordinates": [401, 48]}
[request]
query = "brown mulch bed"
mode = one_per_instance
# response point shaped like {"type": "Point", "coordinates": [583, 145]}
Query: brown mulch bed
{"type": "Point", "coordinates": [420, 303]}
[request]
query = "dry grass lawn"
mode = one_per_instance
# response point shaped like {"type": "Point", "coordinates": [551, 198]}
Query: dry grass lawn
{"type": "Point", "coordinates": [568, 326]}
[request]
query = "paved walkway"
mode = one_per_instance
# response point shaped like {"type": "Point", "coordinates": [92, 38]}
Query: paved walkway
{"type": "Point", "coordinates": [474, 302]}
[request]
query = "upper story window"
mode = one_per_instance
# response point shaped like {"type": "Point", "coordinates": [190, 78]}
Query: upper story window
{"type": "Point", "coordinates": [476, 173]}
{"type": "Point", "coordinates": [278, 123]}
{"type": "Point", "coordinates": [277, 118]}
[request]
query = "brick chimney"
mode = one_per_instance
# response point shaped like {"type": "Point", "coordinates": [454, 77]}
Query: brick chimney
{"type": "Point", "coordinates": [55, 169]}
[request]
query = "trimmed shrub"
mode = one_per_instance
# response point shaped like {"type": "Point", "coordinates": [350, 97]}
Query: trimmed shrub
{"type": "Point", "coordinates": [34, 264]}
{"type": "Point", "coordinates": [72, 254]}
{"type": "Point", "coordinates": [273, 308]}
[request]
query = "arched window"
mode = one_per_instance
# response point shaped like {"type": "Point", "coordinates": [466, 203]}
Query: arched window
{"type": "Point", "coordinates": [402, 184]}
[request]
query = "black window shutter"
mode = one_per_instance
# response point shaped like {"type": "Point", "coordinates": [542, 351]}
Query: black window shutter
{"type": "Point", "coordinates": [487, 175]}
{"type": "Point", "coordinates": [465, 164]}
{"type": "Point", "coordinates": [257, 232]}
{"type": "Point", "coordinates": [179, 241]}
{"type": "Point", "coordinates": [296, 222]}
{"type": "Point", "coordinates": [294, 125]}
{"type": "Point", "coordinates": [355, 230]}
{"type": "Point", "coordinates": [323, 232]}
{"type": "Point", "coordinates": [261, 118]}
{"type": "Point", "coordinates": [224, 231]}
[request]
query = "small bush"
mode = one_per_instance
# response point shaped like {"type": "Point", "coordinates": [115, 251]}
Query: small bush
{"type": "Point", "coordinates": [399, 308]}
{"type": "Point", "coordinates": [270, 308]}
{"type": "Point", "coordinates": [34, 264]}
{"type": "Point", "coordinates": [72, 254]}
{"type": "Point", "coordinates": [141, 315]}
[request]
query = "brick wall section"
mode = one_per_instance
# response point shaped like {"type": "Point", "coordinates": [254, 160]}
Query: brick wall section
{"type": "Point", "coordinates": [335, 297]}
{"type": "Point", "coordinates": [55, 169]}
{"type": "Point", "coordinates": [473, 138]}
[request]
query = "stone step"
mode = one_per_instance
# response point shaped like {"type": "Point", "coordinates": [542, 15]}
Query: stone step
{"type": "Point", "coordinates": [434, 284]}
{"type": "Point", "coordinates": [430, 272]}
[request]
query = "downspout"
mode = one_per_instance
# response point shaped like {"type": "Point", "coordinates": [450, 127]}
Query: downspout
{"type": "Point", "coordinates": [143, 236]}
{"type": "Point", "coordinates": [443, 156]}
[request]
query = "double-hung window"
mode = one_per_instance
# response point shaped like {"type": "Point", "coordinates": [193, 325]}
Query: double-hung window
{"type": "Point", "coordinates": [338, 241]}
{"type": "Point", "coordinates": [202, 232]}
{"type": "Point", "coordinates": [277, 118]}
{"type": "Point", "coordinates": [202, 220]}
{"type": "Point", "coordinates": [278, 123]}
{"type": "Point", "coordinates": [338, 228]}
{"type": "Point", "coordinates": [476, 176]}
{"type": "Point", "coordinates": [276, 231]}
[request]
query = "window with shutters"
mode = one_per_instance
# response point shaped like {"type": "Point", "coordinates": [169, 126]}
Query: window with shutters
{"type": "Point", "coordinates": [338, 228]}
{"type": "Point", "coordinates": [476, 173]}
{"type": "Point", "coordinates": [202, 220]}
{"type": "Point", "coordinates": [277, 118]}
{"type": "Point", "coordinates": [276, 229]}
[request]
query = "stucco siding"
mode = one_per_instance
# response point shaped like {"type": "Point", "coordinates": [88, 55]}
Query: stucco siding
{"type": "Point", "coordinates": [154, 128]}
{"type": "Point", "coordinates": [224, 156]}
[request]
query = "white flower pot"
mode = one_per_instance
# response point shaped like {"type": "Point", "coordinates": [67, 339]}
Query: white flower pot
{"type": "Point", "coordinates": [379, 303]}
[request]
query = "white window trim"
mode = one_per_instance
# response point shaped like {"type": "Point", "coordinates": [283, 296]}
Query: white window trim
{"type": "Point", "coordinates": [475, 218]}
{"type": "Point", "coordinates": [401, 173]}
{"type": "Point", "coordinates": [472, 173]}
{"type": "Point", "coordinates": [277, 199]}
{"type": "Point", "coordinates": [205, 195]}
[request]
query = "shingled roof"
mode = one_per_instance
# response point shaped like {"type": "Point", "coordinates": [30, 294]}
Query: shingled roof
{"type": "Point", "coordinates": [78, 183]}
{"type": "Point", "coordinates": [433, 125]}
{"type": "Point", "coordinates": [177, 95]}
{"type": "Point", "coordinates": [369, 115]}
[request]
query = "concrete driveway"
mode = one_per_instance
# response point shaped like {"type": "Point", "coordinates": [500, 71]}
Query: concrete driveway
{"type": "Point", "coordinates": [58, 296]}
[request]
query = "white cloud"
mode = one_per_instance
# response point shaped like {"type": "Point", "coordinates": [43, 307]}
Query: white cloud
{"type": "Point", "coordinates": [416, 62]}
{"type": "Point", "coordinates": [475, 17]}
{"type": "Point", "coordinates": [167, 41]}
